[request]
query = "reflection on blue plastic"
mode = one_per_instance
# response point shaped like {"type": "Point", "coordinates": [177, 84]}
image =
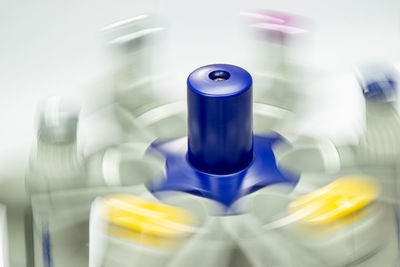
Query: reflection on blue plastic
{"type": "Point", "coordinates": [226, 189]}
{"type": "Point", "coordinates": [220, 132]}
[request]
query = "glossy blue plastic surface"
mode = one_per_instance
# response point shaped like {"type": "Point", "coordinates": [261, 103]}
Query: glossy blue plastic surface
{"type": "Point", "coordinates": [226, 189]}
{"type": "Point", "coordinates": [220, 159]}
{"type": "Point", "coordinates": [220, 119]}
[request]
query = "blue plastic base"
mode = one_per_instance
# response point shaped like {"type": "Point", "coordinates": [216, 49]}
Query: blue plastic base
{"type": "Point", "coordinates": [226, 189]}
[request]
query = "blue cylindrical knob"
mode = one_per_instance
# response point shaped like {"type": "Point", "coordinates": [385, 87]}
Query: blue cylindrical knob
{"type": "Point", "coordinates": [220, 128]}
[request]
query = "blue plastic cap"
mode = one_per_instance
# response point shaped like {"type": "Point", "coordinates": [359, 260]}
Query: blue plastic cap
{"type": "Point", "coordinates": [220, 128]}
{"type": "Point", "coordinates": [378, 81]}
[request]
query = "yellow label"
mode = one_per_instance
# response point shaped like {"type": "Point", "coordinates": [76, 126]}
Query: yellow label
{"type": "Point", "coordinates": [335, 201]}
{"type": "Point", "coordinates": [142, 220]}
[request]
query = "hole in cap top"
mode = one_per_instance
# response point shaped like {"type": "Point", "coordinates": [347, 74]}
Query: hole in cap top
{"type": "Point", "coordinates": [219, 75]}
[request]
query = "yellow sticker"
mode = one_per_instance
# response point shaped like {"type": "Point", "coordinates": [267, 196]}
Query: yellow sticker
{"type": "Point", "coordinates": [335, 201]}
{"type": "Point", "coordinates": [132, 216]}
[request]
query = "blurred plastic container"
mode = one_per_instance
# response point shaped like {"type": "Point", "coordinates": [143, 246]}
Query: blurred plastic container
{"type": "Point", "coordinates": [211, 240]}
{"type": "Point", "coordinates": [278, 41]}
{"type": "Point", "coordinates": [132, 44]}
{"type": "Point", "coordinates": [61, 224]}
{"type": "Point", "coordinates": [372, 240]}
{"type": "Point", "coordinates": [132, 231]}
{"type": "Point", "coordinates": [62, 184]}
{"type": "Point", "coordinates": [61, 219]}
{"type": "Point", "coordinates": [343, 223]}
{"type": "Point", "coordinates": [56, 160]}
{"type": "Point", "coordinates": [123, 165]}
{"type": "Point", "coordinates": [140, 87]}
{"type": "Point", "coordinates": [144, 95]}
{"type": "Point", "coordinates": [380, 143]}
{"type": "Point", "coordinates": [261, 245]}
